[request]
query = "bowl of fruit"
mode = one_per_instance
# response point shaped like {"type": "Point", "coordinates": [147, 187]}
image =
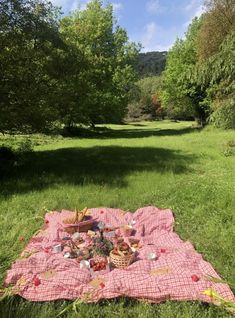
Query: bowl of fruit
{"type": "Point", "coordinates": [99, 266]}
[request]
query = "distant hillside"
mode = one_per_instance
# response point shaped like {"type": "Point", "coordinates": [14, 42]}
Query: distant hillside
{"type": "Point", "coordinates": [151, 63]}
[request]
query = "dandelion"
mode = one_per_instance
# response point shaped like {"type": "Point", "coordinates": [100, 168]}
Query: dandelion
{"type": "Point", "coordinates": [210, 293]}
{"type": "Point", "coordinates": [220, 301]}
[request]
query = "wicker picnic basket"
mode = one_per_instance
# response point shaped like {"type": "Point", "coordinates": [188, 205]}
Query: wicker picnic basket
{"type": "Point", "coordinates": [80, 222]}
{"type": "Point", "coordinates": [79, 227]}
{"type": "Point", "coordinates": [122, 260]}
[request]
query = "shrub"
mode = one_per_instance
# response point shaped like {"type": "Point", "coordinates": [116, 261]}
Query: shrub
{"type": "Point", "coordinates": [224, 115]}
{"type": "Point", "coordinates": [24, 152]}
{"type": "Point", "coordinates": [25, 146]}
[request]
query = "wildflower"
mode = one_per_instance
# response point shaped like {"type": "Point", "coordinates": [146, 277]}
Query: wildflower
{"type": "Point", "coordinates": [210, 293]}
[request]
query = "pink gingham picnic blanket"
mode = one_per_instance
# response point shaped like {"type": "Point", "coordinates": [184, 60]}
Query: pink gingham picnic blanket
{"type": "Point", "coordinates": [178, 273]}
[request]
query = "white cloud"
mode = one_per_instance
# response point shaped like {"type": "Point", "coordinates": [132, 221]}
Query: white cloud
{"type": "Point", "coordinates": [199, 11]}
{"type": "Point", "coordinates": [154, 7]}
{"type": "Point", "coordinates": [156, 38]}
{"type": "Point", "coordinates": [75, 5]}
{"type": "Point", "coordinates": [59, 3]}
{"type": "Point", "coordinates": [193, 9]}
{"type": "Point", "coordinates": [150, 33]}
{"type": "Point", "coordinates": [70, 5]}
{"type": "Point", "coordinates": [117, 6]}
{"type": "Point", "coordinates": [79, 4]}
{"type": "Point", "coordinates": [190, 5]}
{"type": "Point", "coordinates": [117, 9]}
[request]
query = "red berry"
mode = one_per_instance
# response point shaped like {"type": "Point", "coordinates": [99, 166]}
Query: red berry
{"type": "Point", "coordinates": [46, 221]}
{"type": "Point", "coordinates": [195, 278]}
{"type": "Point", "coordinates": [102, 285]}
{"type": "Point", "coordinates": [36, 281]}
{"type": "Point", "coordinates": [163, 250]}
{"type": "Point", "coordinates": [95, 268]}
{"type": "Point", "coordinates": [101, 212]}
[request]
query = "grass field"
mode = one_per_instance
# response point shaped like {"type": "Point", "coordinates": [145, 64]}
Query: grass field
{"type": "Point", "coordinates": [164, 164]}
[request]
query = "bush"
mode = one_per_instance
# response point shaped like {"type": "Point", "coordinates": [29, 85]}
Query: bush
{"type": "Point", "coordinates": [224, 115]}
{"type": "Point", "coordinates": [25, 146]}
{"type": "Point", "coordinates": [229, 148]}
{"type": "Point", "coordinates": [24, 152]}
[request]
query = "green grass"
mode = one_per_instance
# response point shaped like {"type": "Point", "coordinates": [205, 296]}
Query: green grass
{"type": "Point", "coordinates": [162, 163]}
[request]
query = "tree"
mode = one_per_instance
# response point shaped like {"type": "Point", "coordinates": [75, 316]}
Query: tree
{"type": "Point", "coordinates": [145, 103]}
{"type": "Point", "coordinates": [199, 76]}
{"type": "Point", "coordinates": [104, 69]}
{"type": "Point", "coordinates": [217, 23]}
{"type": "Point", "coordinates": [151, 63]}
{"type": "Point", "coordinates": [180, 97]}
{"type": "Point", "coordinates": [216, 76]}
{"type": "Point", "coordinates": [28, 42]}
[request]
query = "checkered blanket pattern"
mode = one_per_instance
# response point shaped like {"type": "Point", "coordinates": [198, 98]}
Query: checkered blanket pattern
{"type": "Point", "coordinates": [168, 277]}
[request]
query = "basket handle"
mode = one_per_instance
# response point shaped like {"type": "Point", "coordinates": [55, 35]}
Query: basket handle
{"type": "Point", "coordinates": [76, 215]}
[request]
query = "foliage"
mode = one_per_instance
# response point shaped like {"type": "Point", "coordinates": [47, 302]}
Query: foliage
{"type": "Point", "coordinates": [229, 148]}
{"type": "Point", "coordinates": [75, 70]}
{"type": "Point", "coordinates": [151, 63]}
{"type": "Point", "coordinates": [216, 76]}
{"type": "Point", "coordinates": [145, 102]}
{"type": "Point", "coordinates": [102, 73]}
{"type": "Point", "coordinates": [180, 98]}
{"type": "Point", "coordinates": [199, 79]}
{"type": "Point", "coordinates": [25, 146]}
{"type": "Point", "coordinates": [28, 41]}
{"type": "Point", "coordinates": [217, 23]}
{"type": "Point", "coordinates": [224, 115]}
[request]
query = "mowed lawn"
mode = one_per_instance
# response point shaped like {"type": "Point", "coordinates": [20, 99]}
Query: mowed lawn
{"type": "Point", "coordinates": [169, 165]}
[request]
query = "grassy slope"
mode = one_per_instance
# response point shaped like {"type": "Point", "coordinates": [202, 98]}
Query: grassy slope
{"type": "Point", "coordinates": [163, 164]}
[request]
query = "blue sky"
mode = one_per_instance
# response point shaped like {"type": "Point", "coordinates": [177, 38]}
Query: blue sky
{"type": "Point", "coordinates": [154, 23]}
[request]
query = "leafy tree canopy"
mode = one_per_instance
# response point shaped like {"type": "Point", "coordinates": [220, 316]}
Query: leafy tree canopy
{"type": "Point", "coordinates": [78, 69]}
{"type": "Point", "coordinates": [217, 23]}
{"type": "Point", "coordinates": [104, 69]}
{"type": "Point", "coordinates": [28, 42]}
{"type": "Point", "coordinates": [179, 97]}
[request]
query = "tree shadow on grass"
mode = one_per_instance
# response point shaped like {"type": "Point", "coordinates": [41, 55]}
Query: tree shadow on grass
{"type": "Point", "coordinates": [104, 165]}
{"type": "Point", "coordinates": [107, 133]}
{"type": "Point", "coordinates": [143, 133]}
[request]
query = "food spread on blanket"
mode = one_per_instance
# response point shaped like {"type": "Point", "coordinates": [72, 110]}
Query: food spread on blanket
{"type": "Point", "coordinates": [102, 240]}
{"type": "Point", "coordinates": [101, 253]}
